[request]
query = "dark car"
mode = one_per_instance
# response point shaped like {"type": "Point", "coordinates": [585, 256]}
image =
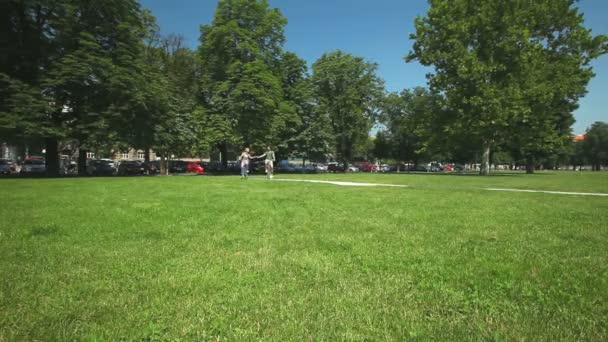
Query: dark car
{"type": "Point", "coordinates": [7, 167]}
{"type": "Point", "coordinates": [178, 166]}
{"type": "Point", "coordinates": [101, 167]}
{"type": "Point", "coordinates": [131, 167]}
{"type": "Point", "coordinates": [337, 167]}
{"type": "Point", "coordinates": [151, 167]}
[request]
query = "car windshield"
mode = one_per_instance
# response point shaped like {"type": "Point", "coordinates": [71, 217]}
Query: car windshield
{"type": "Point", "coordinates": [34, 162]}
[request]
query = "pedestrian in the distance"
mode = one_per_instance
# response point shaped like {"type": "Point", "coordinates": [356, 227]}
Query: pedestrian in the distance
{"type": "Point", "coordinates": [244, 158]}
{"type": "Point", "coordinates": [268, 161]}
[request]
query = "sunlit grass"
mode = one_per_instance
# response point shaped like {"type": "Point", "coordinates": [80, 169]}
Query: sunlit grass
{"type": "Point", "coordinates": [198, 258]}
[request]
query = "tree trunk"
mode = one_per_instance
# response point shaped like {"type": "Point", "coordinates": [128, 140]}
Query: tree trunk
{"type": "Point", "coordinates": [52, 157]}
{"type": "Point", "coordinates": [224, 155]}
{"type": "Point", "coordinates": [485, 160]}
{"type": "Point", "coordinates": [82, 162]}
{"type": "Point", "coordinates": [146, 155]}
{"type": "Point", "coordinates": [164, 170]}
{"type": "Point", "coordinates": [530, 164]}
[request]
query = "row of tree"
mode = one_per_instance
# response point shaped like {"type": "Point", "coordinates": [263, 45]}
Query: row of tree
{"type": "Point", "coordinates": [99, 75]}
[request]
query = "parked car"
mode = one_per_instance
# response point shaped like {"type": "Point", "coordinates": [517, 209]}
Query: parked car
{"type": "Point", "coordinates": [177, 166]}
{"type": "Point", "coordinates": [7, 167]}
{"type": "Point", "coordinates": [101, 167]}
{"type": "Point", "coordinates": [384, 168]}
{"type": "Point", "coordinates": [429, 167]}
{"type": "Point", "coordinates": [422, 168]}
{"type": "Point", "coordinates": [336, 167]}
{"type": "Point", "coordinates": [401, 167]}
{"type": "Point", "coordinates": [151, 167]}
{"type": "Point", "coordinates": [460, 168]}
{"type": "Point", "coordinates": [195, 168]}
{"type": "Point", "coordinates": [316, 168]}
{"type": "Point", "coordinates": [131, 167]}
{"type": "Point", "coordinates": [366, 166]}
{"type": "Point", "coordinates": [33, 166]}
{"type": "Point", "coordinates": [286, 166]}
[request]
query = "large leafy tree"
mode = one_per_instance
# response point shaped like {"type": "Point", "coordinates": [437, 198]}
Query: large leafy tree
{"type": "Point", "coordinates": [241, 85]}
{"type": "Point", "coordinates": [509, 69]}
{"type": "Point", "coordinates": [306, 131]}
{"type": "Point", "coordinates": [27, 36]}
{"type": "Point", "coordinates": [409, 118]}
{"type": "Point", "coordinates": [348, 91]}
{"type": "Point", "coordinates": [595, 145]}
{"type": "Point", "coordinates": [165, 108]}
{"type": "Point", "coordinates": [80, 64]}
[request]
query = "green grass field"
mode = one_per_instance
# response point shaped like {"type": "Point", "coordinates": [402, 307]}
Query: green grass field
{"type": "Point", "coordinates": [218, 258]}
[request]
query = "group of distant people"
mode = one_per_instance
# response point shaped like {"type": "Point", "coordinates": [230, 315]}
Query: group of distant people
{"type": "Point", "coordinates": [268, 162]}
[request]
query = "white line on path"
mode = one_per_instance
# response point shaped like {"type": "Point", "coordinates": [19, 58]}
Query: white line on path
{"type": "Point", "coordinates": [403, 186]}
{"type": "Point", "coordinates": [552, 192]}
{"type": "Point", "coordinates": [338, 183]}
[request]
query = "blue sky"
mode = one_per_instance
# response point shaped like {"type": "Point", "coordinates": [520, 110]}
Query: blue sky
{"type": "Point", "coordinates": [377, 30]}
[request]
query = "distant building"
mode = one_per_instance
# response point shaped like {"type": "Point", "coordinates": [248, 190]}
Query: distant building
{"type": "Point", "coordinates": [577, 137]}
{"type": "Point", "coordinates": [133, 154]}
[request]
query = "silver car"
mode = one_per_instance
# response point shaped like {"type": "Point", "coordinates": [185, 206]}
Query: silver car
{"type": "Point", "coordinates": [33, 166]}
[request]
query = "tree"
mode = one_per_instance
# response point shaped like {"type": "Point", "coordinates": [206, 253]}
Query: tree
{"type": "Point", "coordinates": [409, 117]}
{"type": "Point", "coordinates": [80, 68]}
{"type": "Point", "coordinates": [29, 45]}
{"type": "Point", "coordinates": [348, 91]}
{"type": "Point", "coordinates": [595, 145]}
{"type": "Point", "coordinates": [497, 63]}
{"type": "Point", "coordinates": [382, 145]}
{"type": "Point", "coordinates": [577, 155]}
{"type": "Point", "coordinates": [166, 108]}
{"type": "Point", "coordinates": [306, 133]}
{"type": "Point", "coordinates": [241, 85]}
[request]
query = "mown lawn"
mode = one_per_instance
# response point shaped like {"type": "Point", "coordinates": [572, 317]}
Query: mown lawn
{"type": "Point", "coordinates": [206, 258]}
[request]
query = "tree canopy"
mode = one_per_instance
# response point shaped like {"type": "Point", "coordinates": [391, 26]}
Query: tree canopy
{"type": "Point", "coordinates": [348, 90]}
{"type": "Point", "coordinates": [99, 75]}
{"type": "Point", "coordinates": [507, 68]}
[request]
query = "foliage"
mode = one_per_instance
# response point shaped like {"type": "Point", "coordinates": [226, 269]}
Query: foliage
{"type": "Point", "coordinates": [410, 121]}
{"type": "Point", "coordinates": [348, 91]}
{"type": "Point", "coordinates": [80, 62]}
{"type": "Point", "coordinates": [240, 84]}
{"type": "Point", "coordinates": [595, 145]}
{"type": "Point", "coordinates": [498, 63]}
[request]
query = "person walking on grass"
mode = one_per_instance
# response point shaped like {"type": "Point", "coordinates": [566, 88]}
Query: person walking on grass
{"type": "Point", "coordinates": [268, 161]}
{"type": "Point", "coordinates": [244, 158]}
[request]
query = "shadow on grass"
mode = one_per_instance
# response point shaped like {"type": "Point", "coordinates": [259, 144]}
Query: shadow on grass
{"type": "Point", "coordinates": [43, 231]}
